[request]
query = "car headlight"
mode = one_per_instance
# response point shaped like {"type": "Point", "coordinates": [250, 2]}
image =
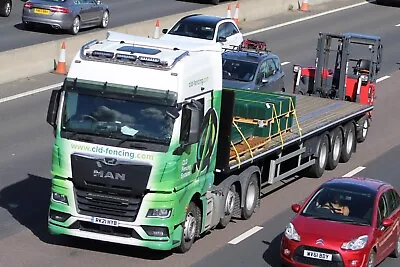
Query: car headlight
{"type": "Point", "coordinates": [291, 233]}
{"type": "Point", "coordinates": [159, 213]}
{"type": "Point", "coordinates": [356, 244]}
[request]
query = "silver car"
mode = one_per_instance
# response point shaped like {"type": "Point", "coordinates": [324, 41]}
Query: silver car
{"type": "Point", "coordinates": [71, 15]}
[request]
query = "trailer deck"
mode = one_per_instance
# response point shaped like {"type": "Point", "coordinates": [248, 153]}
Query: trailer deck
{"type": "Point", "coordinates": [314, 115]}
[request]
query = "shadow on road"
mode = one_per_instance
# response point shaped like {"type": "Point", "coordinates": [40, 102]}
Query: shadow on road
{"type": "Point", "coordinates": [388, 4]}
{"type": "Point", "coordinates": [271, 255]}
{"type": "Point", "coordinates": [28, 201]}
{"type": "Point", "coordinates": [49, 30]}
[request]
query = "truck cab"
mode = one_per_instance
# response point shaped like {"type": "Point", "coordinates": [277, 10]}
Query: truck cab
{"type": "Point", "coordinates": [135, 125]}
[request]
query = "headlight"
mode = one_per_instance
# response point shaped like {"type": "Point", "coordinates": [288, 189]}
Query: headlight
{"type": "Point", "coordinates": [291, 233]}
{"type": "Point", "coordinates": [364, 78]}
{"type": "Point", "coordinates": [356, 244]}
{"type": "Point", "coordinates": [296, 68]}
{"type": "Point", "coordinates": [159, 213]}
{"type": "Point", "coordinates": [60, 198]}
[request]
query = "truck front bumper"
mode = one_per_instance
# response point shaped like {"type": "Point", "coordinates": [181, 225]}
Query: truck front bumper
{"type": "Point", "coordinates": [138, 235]}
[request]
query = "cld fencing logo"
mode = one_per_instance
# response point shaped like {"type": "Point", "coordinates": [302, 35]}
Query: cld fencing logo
{"type": "Point", "coordinates": [200, 82]}
{"type": "Point", "coordinates": [207, 140]}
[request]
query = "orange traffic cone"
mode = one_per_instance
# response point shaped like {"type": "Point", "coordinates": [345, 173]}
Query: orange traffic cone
{"type": "Point", "coordinates": [236, 16]}
{"type": "Point", "coordinates": [156, 34]}
{"type": "Point", "coordinates": [62, 65]}
{"type": "Point", "coordinates": [304, 6]}
{"type": "Point", "coordinates": [228, 12]}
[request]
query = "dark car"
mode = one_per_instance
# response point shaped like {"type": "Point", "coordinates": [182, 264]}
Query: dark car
{"type": "Point", "coordinates": [71, 15]}
{"type": "Point", "coordinates": [345, 222]}
{"type": "Point", "coordinates": [251, 66]}
{"type": "Point", "coordinates": [5, 8]}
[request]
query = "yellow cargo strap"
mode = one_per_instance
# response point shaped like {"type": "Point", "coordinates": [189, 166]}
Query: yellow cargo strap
{"type": "Point", "coordinates": [245, 140]}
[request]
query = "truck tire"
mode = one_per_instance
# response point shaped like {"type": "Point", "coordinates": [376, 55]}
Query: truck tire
{"type": "Point", "coordinates": [362, 129]}
{"type": "Point", "coordinates": [321, 158]}
{"type": "Point", "coordinates": [336, 149]}
{"type": "Point", "coordinates": [191, 228]}
{"type": "Point", "coordinates": [229, 205]}
{"type": "Point", "coordinates": [349, 142]}
{"type": "Point", "coordinates": [251, 196]}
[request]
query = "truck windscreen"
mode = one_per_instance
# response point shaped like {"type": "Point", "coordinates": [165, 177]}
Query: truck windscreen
{"type": "Point", "coordinates": [97, 113]}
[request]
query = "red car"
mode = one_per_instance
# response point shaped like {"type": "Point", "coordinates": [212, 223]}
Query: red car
{"type": "Point", "coordinates": [346, 222]}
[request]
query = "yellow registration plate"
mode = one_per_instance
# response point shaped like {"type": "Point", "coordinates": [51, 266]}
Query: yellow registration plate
{"type": "Point", "coordinates": [41, 11]}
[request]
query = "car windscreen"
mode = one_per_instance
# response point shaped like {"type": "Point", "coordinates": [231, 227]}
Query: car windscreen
{"type": "Point", "coordinates": [194, 30]}
{"type": "Point", "coordinates": [238, 70]}
{"type": "Point", "coordinates": [342, 204]}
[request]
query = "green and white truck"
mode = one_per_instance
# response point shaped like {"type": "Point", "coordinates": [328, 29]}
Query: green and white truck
{"type": "Point", "coordinates": [151, 151]}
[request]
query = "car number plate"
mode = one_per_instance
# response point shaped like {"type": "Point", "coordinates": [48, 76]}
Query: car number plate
{"type": "Point", "coordinates": [317, 255]}
{"type": "Point", "coordinates": [41, 11]}
{"type": "Point", "coordinates": [103, 221]}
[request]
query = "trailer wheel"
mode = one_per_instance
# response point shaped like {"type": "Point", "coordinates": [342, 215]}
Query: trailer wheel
{"type": "Point", "coordinates": [321, 159]}
{"type": "Point", "coordinates": [334, 154]}
{"type": "Point", "coordinates": [251, 197]}
{"type": "Point", "coordinates": [191, 228]}
{"type": "Point", "coordinates": [229, 205]}
{"type": "Point", "coordinates": [362, 129]}
{"type": "Point", "coordinates": [349, 142]}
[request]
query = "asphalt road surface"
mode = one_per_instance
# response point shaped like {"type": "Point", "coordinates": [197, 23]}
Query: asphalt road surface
{"type": "Point", "coordinates": [26, 142]}
{"type": "Point", "coordinates": [13, 35]}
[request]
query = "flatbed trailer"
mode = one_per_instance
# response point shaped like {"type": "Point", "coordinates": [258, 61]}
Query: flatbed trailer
{"type": "Point", "coordinates": [314, 117]}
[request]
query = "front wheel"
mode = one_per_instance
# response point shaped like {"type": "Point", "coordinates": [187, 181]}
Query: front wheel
{"type": "Point", "coordinates": [229, 206]}
{"type": "Point", "coordinates": [191, 228]}
{"type": "Point", "coordinates": [105, 19]}
{"type": "Point", "coordinates": [5, 9]}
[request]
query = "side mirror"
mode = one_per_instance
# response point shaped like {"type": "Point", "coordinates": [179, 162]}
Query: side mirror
{"type": "Point", "coordinates": [164, 31]}
{"type": "Point", "coordinates": [296, 208]}
{"type": "Point", "coordinates": [192, 117]}
{"type": "Point", "coordinates": [53, 108]}
{"type": "Point", "coordinates": [387, 222]}
{"type": "Point", "coordinates": [221, 39]}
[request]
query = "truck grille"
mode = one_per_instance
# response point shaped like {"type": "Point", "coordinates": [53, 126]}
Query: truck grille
{"type": "Point", "coordinates": [99, 191]}
{"type": "Point", "coordinates": [337, 260]}
{"type": "Point", "coordinates": [107, 205]}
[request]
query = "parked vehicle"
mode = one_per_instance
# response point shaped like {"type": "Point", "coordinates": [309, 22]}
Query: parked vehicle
{"type": "Point", "coordinates": [5, 8]}
{"type": "Point", "coordinates": [151, 151]}
{"type": "Point", "coordinates": [345, 222]}
{"type": "Point", "coordinates": [71, 15]}
{"type": "Point", "coordinates": [251, 66]}
{"type": "Point", "coordinates": [205, 29]}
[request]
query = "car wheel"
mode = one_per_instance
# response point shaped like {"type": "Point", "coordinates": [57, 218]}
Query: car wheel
{"type": "Point", "coordinates": [76, 25]}
{"type": "Point", "coordinates": [5, 10]}
{"type": "Point", "coordinates": [229, 205]}
{"type": "Point", "coordinates": [251, 197]}
{"type": "Point", "coordinates": [336, 150]}
{"type": "Point", "coordinates": [105, 19]}
{"type": "Point", "coordinates": [321, 158]}
{"type": "Point", "coordinates": [371, 259]}
{"type": "Point", "coordinates": [362, 129]}
{"type": "Point", "coordinates": [396, 251]}
{"type": "Point", "coordinates": [349, 142]}
{"type": "Point", "coordinates": [191, 228]}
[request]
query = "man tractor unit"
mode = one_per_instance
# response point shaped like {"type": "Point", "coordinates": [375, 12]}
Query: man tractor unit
{"type": "Point", "coordinates": [150, 150]}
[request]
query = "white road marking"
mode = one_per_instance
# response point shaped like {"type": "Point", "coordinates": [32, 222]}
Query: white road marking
{"type": "Point", "coordinates": [398, 25]}
{"type": "Point", "coordinates": [285, 63]}
{"type": "Point", "coordinates": [39, 90]}
{"type": "Point", "coordinates": [382, 78]}
{"type": "Point", "coordinates": [305, 18]}
{"type": "Point", "coordinates": [354, 172]}
{"type": "Point", "coordinates": [245, 235]}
